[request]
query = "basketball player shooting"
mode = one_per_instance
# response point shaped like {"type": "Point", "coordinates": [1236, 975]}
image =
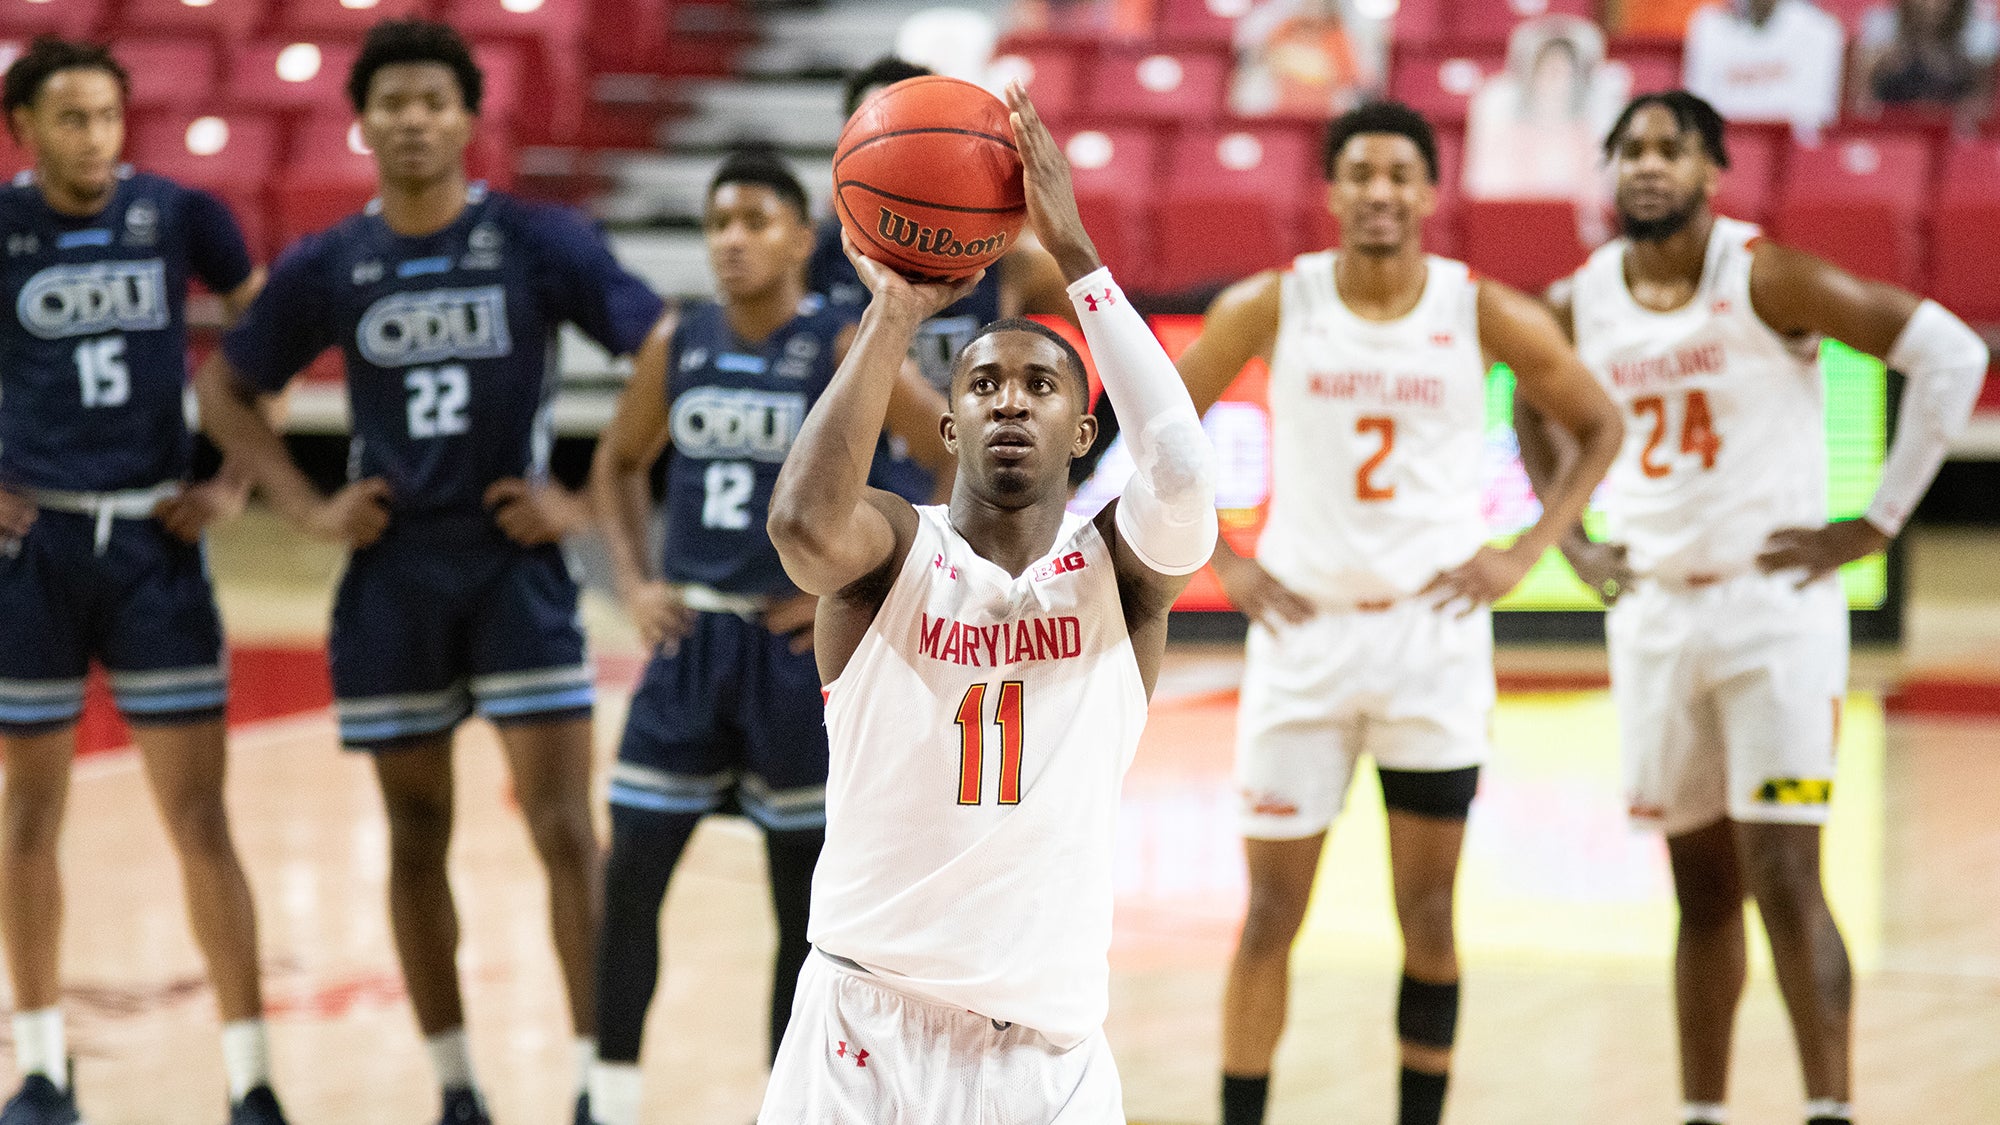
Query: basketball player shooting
{"type": "Point", "coordinates": [987, 666]}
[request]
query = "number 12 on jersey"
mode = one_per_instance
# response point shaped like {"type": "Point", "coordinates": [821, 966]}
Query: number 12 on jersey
{"type": "Point", "coordinates": [971, 722]}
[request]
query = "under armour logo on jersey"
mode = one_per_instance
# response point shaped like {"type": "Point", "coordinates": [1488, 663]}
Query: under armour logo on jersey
{"type": "Point", "coordinates": [938, 563]}
{"type": "Point", "coordinates": [367, 273]}
{"type": "Point", "coordinates": [1720, 307]}
{"type": "Point", "coordinates": [1092, 300]}
{"type": "Point", "coordinates": [22, 244]}
{"type": "Point", "coordinates": [1441, 339]}
{"type": "Point", "coordinates": [859, 1056]}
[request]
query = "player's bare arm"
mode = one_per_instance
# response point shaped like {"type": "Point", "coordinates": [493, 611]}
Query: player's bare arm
{"type": "Point", "coordinates": [830, 529]}
{"type": "Point", "coordinates": [1518, 331]}
{"type": "Point", "coordinates": [621, 497]}
{"type": "Point", "coordinates": [1163, 528]}
{"type": "Point", "coordinates": [1241, 325]}
{"type": "Point", "coordinates": [357, 515]}
{"type": "Point", "coordinates": [1548, 452]}
{"type": "Point", "coordinates": [187, 513]}
{"type": "Point", "coordinates": [1942, 360]}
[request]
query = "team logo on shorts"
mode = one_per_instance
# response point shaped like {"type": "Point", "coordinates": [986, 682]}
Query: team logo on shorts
{"type": "Point", "coordinates": [843, 1051]}
{"type": "Point", "coordinates": [1795, 791]}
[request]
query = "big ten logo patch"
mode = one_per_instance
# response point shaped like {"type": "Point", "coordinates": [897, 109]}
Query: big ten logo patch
{"type": "Point", "coordinates": [1795, 791]}
{"type": "Point", "coordinates": [1067, 564]}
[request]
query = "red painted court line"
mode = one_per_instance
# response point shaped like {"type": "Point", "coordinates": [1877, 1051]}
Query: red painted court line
{"type": "Point", "coordinates": [1945, 698]}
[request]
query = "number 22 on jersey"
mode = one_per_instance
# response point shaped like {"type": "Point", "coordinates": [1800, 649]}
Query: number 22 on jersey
{"type": "Point", "coordinates": [971, 720]}
{"type": "Point", "coordinates": [1698, 434]}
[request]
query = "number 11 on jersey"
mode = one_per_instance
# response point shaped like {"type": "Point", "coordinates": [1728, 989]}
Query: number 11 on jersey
{"type": "Point", "coordinates": [971, 722]}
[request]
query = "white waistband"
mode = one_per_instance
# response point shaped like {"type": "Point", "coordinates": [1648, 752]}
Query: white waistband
{"type": "Point", "coordinates": [707, 599]}
{"type": "Point", "coordinates": [130, 504]}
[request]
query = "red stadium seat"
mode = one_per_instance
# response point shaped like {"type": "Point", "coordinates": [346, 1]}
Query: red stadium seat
{"type": "Point", "coordinates": [1750, 183]}
{"type": "Point", "coordinates": [1439, 83]}
{"type": "Point", "coordinates": [329, 176]}
{"type": "Point", "coordinates": [1440, 230]}
{"type": "Point", "coordinates": [1197, 21]}
{"type": "Point", "coordinates": [340, 19]}
{"type": "Point", "coordinates": [14, 159]}
{"type": "Point", "coordinates": [1054, 77]}
{"type": "Point", "coordinates": [1116, 173]}
{"type": "Point", "coordinates": [502, 81]}
{"type": "Point", "coordinates": [1968, 232]}
{"type": "Point", "coordinates": [170, 73]}
{"type": "Point", "coordinates": [291, 75]}
{"type": "Point", "coordinates": [1132, 84]}
{"type": "Point", "coordinates": [545, 38]}
{"type": "Point", "coordinates": [1858, 202]}
{"type": "Point", "coordinates": [1233, 201]}
{"type": "Point", "coordinates": [71, 19]}
{"type": "Point", "coordinates": [1526, 243]}
{"type": "Point", "coordinates": [1655, 65]}
{"type": "Point", "coordinates": [1419, 23]}
{"type": "Point", "coordinates": [230, 20]}
{"type": "Point", "coordinates": [231, 155]}
{"type": "Point", "coordinates": [1489, 22]}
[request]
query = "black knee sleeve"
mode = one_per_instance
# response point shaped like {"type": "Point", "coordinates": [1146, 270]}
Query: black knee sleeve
{"type": "Point", "coordinates": [791, 857]}
{"type": "Point", "coordinates": [1444, 794]}
{"type": "Point", "coordinates": [645, 847]}
{"type": "Point", "coordinates": [1426, 1013]}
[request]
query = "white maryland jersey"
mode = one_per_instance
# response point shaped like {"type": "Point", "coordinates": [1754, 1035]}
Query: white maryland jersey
{"type": "Point", "coordinates": [1724, 418]}
{"type": "Point", "coordinates": [979, 737]}
{"type": "Point", "coordinates": [1377, 431]}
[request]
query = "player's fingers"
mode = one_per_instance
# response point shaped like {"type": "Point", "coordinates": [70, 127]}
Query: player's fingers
{"type": "Point", "coordinates": [802, 642]}
{"type": "Point", "coordinates": [374, 488]}
{"type": "Point", "coordinates": [502, 491]}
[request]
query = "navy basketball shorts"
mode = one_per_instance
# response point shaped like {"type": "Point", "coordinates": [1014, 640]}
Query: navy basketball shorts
{"type": "Point", "coordinates": [732, 719]}
{"type": "Point", "coordinates": [444, 616]}
{"type": "Point", "coordinates": [141, 605]}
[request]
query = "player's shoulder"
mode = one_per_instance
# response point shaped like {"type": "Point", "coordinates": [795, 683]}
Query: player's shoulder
{"type": "Point", "coordinates": [535, 222]}
{"type": "Point", "coordinates": [1257, 296]}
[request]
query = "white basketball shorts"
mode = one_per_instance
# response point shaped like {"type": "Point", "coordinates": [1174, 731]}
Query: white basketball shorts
{"type": "Point", "coordinates": [1729, 699]}
{"type": "Point", "coordinates": [1408, 685]}
{"type": "Point", "coordinates": [860, 1053]}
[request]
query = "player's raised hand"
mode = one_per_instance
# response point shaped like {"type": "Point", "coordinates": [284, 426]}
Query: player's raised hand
{"type": "Point", "coordinates": [1480, 580]}
{"type": "Point", "coordinates": [1052, 213]}
{"type": "Point", "coordinates": [1819, 551]}
{"type": "Point", "coordinates": [793, 617]}
{"type": "Point", "coordinates": [658, 613]}
{"type": "Point", "coordinates": [17, 515]}
{"type": "Point", "coordinates": [357, 515]}
{"type": "Point", "coordinates": [535, 514]}
{"type": "Point", "coordinates": [189, 512]}
{"type": "Point", "coordinates": [1600, 566]}
{"type": "Point", "coordinates": [1257, 595]}
{"type": "Point", "coordinates": [925, 298]}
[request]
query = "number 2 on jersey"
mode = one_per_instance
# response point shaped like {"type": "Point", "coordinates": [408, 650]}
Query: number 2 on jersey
{"type": "Point", "coordinates": [1698, 434]}
{"type": "Point", "coordinates": [971, 722]}
{"type": "Point", "coordinates": [1365, 487]}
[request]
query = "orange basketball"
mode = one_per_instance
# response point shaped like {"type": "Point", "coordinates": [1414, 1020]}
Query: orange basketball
{"type": "Point", "coordinates": [926, 178]}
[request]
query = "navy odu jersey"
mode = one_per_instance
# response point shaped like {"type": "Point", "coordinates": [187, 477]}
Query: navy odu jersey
{"type": "Point", "coordinates": [449, 338]}
{"type": "Point", "coordinates": [93, 347]}
{"type": "Point", "coordinates": [734, 410]}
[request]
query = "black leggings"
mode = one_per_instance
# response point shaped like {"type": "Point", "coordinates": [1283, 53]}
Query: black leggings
{"type": "Point", "coordinates": [645, 848]}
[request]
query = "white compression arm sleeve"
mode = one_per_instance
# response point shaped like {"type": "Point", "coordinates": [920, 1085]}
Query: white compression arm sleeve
{"type": "Point", "coordinates": [1167, 514]}
{"type": "Point", "coordinates": [1943, 364]}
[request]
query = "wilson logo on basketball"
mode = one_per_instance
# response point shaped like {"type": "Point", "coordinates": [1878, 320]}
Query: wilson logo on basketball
{"type": "Point", "coordinates": [908, 233]}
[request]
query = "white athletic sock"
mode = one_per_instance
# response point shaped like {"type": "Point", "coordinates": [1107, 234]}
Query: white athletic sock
{"type": "Point", "coordinates": [40, 1047]}
{"type": "Point", "coordinates": [584, 1051]}
{"type": "Point", "coordinates": [1829, 1107]}
{"type": "Point", "coordinates": [1708, 1113]}
{"type": "Point", "coordinates": [451, 1058]}
{"type": "Point", "coordinates": [246, 1056]}
{"type": "Point", "coordinates": [614, 1093]}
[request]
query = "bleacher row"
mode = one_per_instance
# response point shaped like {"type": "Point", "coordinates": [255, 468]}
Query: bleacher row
{"type": "Point", "coordinates": [1187, 196]}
